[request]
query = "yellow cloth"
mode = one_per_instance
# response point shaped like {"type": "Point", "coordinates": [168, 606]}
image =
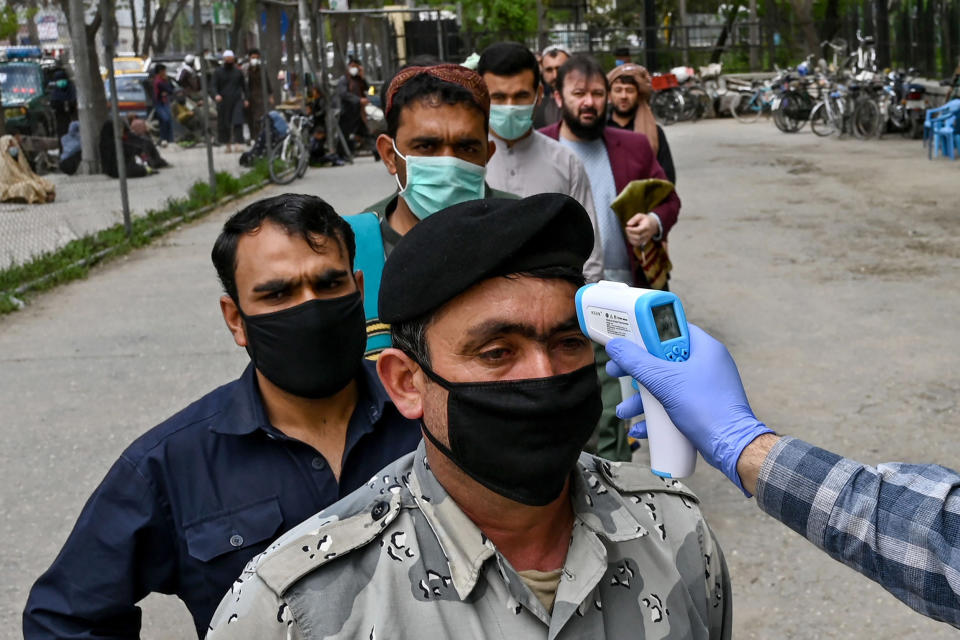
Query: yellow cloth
{"type": "Point", "coordinates": [643, 196]}
{"type": "Point", "coordinates": [543, 584]}
{"type": "Point", "coordinates": [18, 182]}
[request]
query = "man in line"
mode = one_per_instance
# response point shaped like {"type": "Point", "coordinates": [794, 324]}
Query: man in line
{"type": "Point", "coordinates": [436, 148]}
{"type": "Point", "coordinates": [612, 158]}
{"type": "Point", "coordinates": [895, 524]}
{"type": "Point", "coordinates": [547, 112]}
{"type": "Point", "coordinates": [192, 500]}
{"type": "Point", "coordinates": [352, 90]}
{"type": "Point", "coordinates": [630, 91]}
{"type": "Point", "coordinates": [230, 94]}
{"type": "Point", "coordinates": [528, 162]}
{"type": "Point", "coordinates": [162, 92]}
{"type": "Point", "coordinates": [255, 93]}
{"type": "Point", "coordinates": [497, 525]}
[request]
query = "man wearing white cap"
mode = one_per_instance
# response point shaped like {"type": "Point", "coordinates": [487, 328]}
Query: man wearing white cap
{"type": "Point", "coordinates": [230, 93]}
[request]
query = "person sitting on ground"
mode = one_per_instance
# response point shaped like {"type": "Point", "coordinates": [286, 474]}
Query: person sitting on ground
{"type": "Point", "coordinates": [70, 146]}
{"type": "Point", "coordinates": [18, 182]}
{"type": "Point", "coordinates": [138, 137]}
{"type": "Point", "coordinates": [136, 168]}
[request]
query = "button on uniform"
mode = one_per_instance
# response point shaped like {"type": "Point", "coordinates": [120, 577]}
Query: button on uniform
{"type": "Point", "coordinates": [318, 463]}
{"type": "Point", "coordinates": [236, 540]}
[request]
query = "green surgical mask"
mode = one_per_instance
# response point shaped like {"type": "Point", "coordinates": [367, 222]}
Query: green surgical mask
{"type": "Point", "coordinates": [438, 182]}
{"type": "Point", "coordinates": [511, 122]}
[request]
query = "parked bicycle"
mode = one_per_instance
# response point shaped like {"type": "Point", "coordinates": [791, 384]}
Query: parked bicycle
{"type": "Point", "coordinates": [289, 159]}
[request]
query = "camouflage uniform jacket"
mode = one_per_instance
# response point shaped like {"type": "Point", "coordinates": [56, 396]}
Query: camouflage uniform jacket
{"type": "Point", "coordinates": [399, 559]}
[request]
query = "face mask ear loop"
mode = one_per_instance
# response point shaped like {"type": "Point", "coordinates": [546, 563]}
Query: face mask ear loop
{"type": "Point", "coordinates": [396, 176]}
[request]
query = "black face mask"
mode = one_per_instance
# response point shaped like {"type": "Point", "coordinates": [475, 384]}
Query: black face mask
{"type": "Point", "coordinates": [312, 350]}
{"type": "Point", "coordinates": [520, 438]}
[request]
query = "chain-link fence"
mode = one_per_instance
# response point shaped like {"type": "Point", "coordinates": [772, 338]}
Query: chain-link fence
{"type": "Point", "coordinates": [153, 163]}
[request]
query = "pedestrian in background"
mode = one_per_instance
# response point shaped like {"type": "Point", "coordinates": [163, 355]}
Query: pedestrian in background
{"type": "Point", "coordinates": [231, 96]}
{"type": "Point", "coordinates": [528, 162]}
{"type": "Point", "coordinates": [63, 101]}
{"type": "Point", "coordinates": [255, 81]}
{"type": "Point", "coordinates": [547, 112]}
{"type": "Point", "coordinates": [162, 90]}
{"type": "Point", "coordinates": [352, 91]}
{"type": "Point", "coordinates": [612, 158]}
{"type": "Point", "coordinates": [630, 91]}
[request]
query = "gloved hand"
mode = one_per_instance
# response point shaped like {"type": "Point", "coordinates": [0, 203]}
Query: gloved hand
{"type": "Point", "coordinates": [703, 396]}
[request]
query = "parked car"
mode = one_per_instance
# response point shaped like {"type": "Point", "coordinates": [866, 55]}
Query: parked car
{"type": "Point", "coordinates": [124, 65]}
{"type": "Point", "coordinates": [26, 97]}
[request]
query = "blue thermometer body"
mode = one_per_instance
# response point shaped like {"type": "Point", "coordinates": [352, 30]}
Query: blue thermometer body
{"type": "Point", "coordinates": [654, 320]}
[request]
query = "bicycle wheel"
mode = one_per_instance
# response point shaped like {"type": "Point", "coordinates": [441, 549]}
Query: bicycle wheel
{"type": "Point", "coordinates": [667, 107]}
{"type": "Point", "coordinates": [746, 108]}
{"type": "Point", "coordinates": [820, 122]}
{"type": "Point", "coordinates": [866, 119]}
{"type": "Point", "coordinates": [285, 160]}
{"type": "Point", "coordinates": [786, 116]}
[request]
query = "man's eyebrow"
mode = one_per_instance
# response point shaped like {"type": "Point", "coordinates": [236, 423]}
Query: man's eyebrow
{"type": "Point", "coordinates": [481, 333]}
{"type": "Point", "coordinates": [330, 276]}
{"type": "Point", "coordinates": [271, 286]}
{"type": "Point", "coordinates": [426, 140]}
{"type": "Point", "coordinates": [467, 140]}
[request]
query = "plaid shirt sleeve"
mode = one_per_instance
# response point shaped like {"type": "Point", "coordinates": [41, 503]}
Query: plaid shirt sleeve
{"type": "Point", "coordinates": [898, 524]}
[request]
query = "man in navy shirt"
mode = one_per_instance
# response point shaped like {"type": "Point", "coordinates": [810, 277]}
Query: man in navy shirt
{"type": "Point", "coordinates": [193, 499]}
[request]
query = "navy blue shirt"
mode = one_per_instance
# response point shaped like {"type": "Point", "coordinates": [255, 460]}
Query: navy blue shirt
{"type": "Point", "coordinates": [190, 502]}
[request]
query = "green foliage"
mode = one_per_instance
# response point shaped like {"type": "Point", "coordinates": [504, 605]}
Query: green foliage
{"type": "Point", "coordinates": [9, 24]}
{"type": "Point", "coordinates": [73, 260]}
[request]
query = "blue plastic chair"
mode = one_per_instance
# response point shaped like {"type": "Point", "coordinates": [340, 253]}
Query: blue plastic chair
{"type": "Point", "coordinates": [952, 107]}
{"type": "Point", "coordinates": [943, 136]}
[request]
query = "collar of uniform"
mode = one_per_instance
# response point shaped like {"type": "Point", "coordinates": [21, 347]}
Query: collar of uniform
{"type": "Point", "coordinates": [463, 544]}
{"type": "Point", "coordinates": [599, 504]}
{"type": "Point", "coordinates": [244, 412]}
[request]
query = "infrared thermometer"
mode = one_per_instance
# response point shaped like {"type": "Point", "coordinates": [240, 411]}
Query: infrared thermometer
{"type": "Point", "coordinates": [654, 320]}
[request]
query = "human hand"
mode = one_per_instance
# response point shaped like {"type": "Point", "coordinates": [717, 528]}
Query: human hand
{"type": "Point", "coordinates": [218, 98]}
{"type": "Point", "coordinates": [246, 104]}
{"type": "Point", "coordinates": [364, 102]}
{"type": "Point", "coordinates": [641, 228]}
{"type": "Point", "coordinates": [703, 396]}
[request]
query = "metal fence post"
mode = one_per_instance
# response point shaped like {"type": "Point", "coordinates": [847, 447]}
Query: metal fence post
{"type": "Point", "coordinates": [109, 35]}
{"type": "Point", "coordinates": [198, 27]}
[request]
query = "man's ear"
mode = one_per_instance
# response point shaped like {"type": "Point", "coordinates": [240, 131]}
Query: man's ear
{"type": "Point", "coordinates": [491, 148]}
{"type": "Point", "coordinates": [403, 381]}
{"type": "Point", "coordinates": [231, 316]}
{"type": "Point", "coordinates": [358, 278]}
{"type": "Point", "coordinates": [539, 99]}
{"type": "Point", "coordinates": [387, 154]}
{"type": "Point", "coordinates": [558, 99]}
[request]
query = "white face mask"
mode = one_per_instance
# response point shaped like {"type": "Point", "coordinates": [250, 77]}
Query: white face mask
{"type": "Point", "coordinates": [353, 71]}
{"type": "Point", "coordinates": [254, 62]}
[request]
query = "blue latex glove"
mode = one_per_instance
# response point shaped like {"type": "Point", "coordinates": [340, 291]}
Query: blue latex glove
{"type": "Point", "coordinates": [703, 396]}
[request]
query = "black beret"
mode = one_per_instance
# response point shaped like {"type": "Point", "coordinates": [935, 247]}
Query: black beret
{"type": "Point", "coordinates": [457, 247]}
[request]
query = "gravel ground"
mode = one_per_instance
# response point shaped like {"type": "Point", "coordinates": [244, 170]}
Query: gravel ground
{"type": "Point", "coordinates": [828, 267]}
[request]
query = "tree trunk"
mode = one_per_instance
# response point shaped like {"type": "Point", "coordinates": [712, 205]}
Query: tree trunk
{"type": "Point", "coordinates": [804, 13]}
{"type": "Point", "coordinates": [165, 28]}
{"type": "Point", "coordinates": [882, 14]}
{"type": "Point", "coordinates": [147, 43]}
{"type": "Point", "coordinates": [133, 23]}
{"type": "Point", "coordinates": [91, 100]}
{"type": "Point", "coordinates": [831, 21]}
{"type": "Point", "coordinates": [32, 9]}
{"type": "Point", "coordinates": [722, 38]}
{"type": "Point", "coordinates": [239, 27]}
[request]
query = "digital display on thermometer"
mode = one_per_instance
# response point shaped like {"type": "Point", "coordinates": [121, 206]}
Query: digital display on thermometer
{"type": "Point", "coordinates": [666, 320]}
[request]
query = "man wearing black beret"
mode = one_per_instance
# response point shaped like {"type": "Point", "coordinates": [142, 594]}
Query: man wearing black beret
{"type": "Point", "coordinates": [497, 526]}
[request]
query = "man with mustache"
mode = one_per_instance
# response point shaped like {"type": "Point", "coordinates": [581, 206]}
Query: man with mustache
{"type": "Point", "coordinates": [613, 158]}
{"type": "Point", "coordinates": [497, 526]}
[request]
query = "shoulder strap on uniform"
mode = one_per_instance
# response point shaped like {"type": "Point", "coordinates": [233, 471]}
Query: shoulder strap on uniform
{"type": "Point", "coordinates": [631, 477]}
{"type": "Point", "coordinates": [280, 569]}
{"type": "Point", "coordinates": [370, 259]}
